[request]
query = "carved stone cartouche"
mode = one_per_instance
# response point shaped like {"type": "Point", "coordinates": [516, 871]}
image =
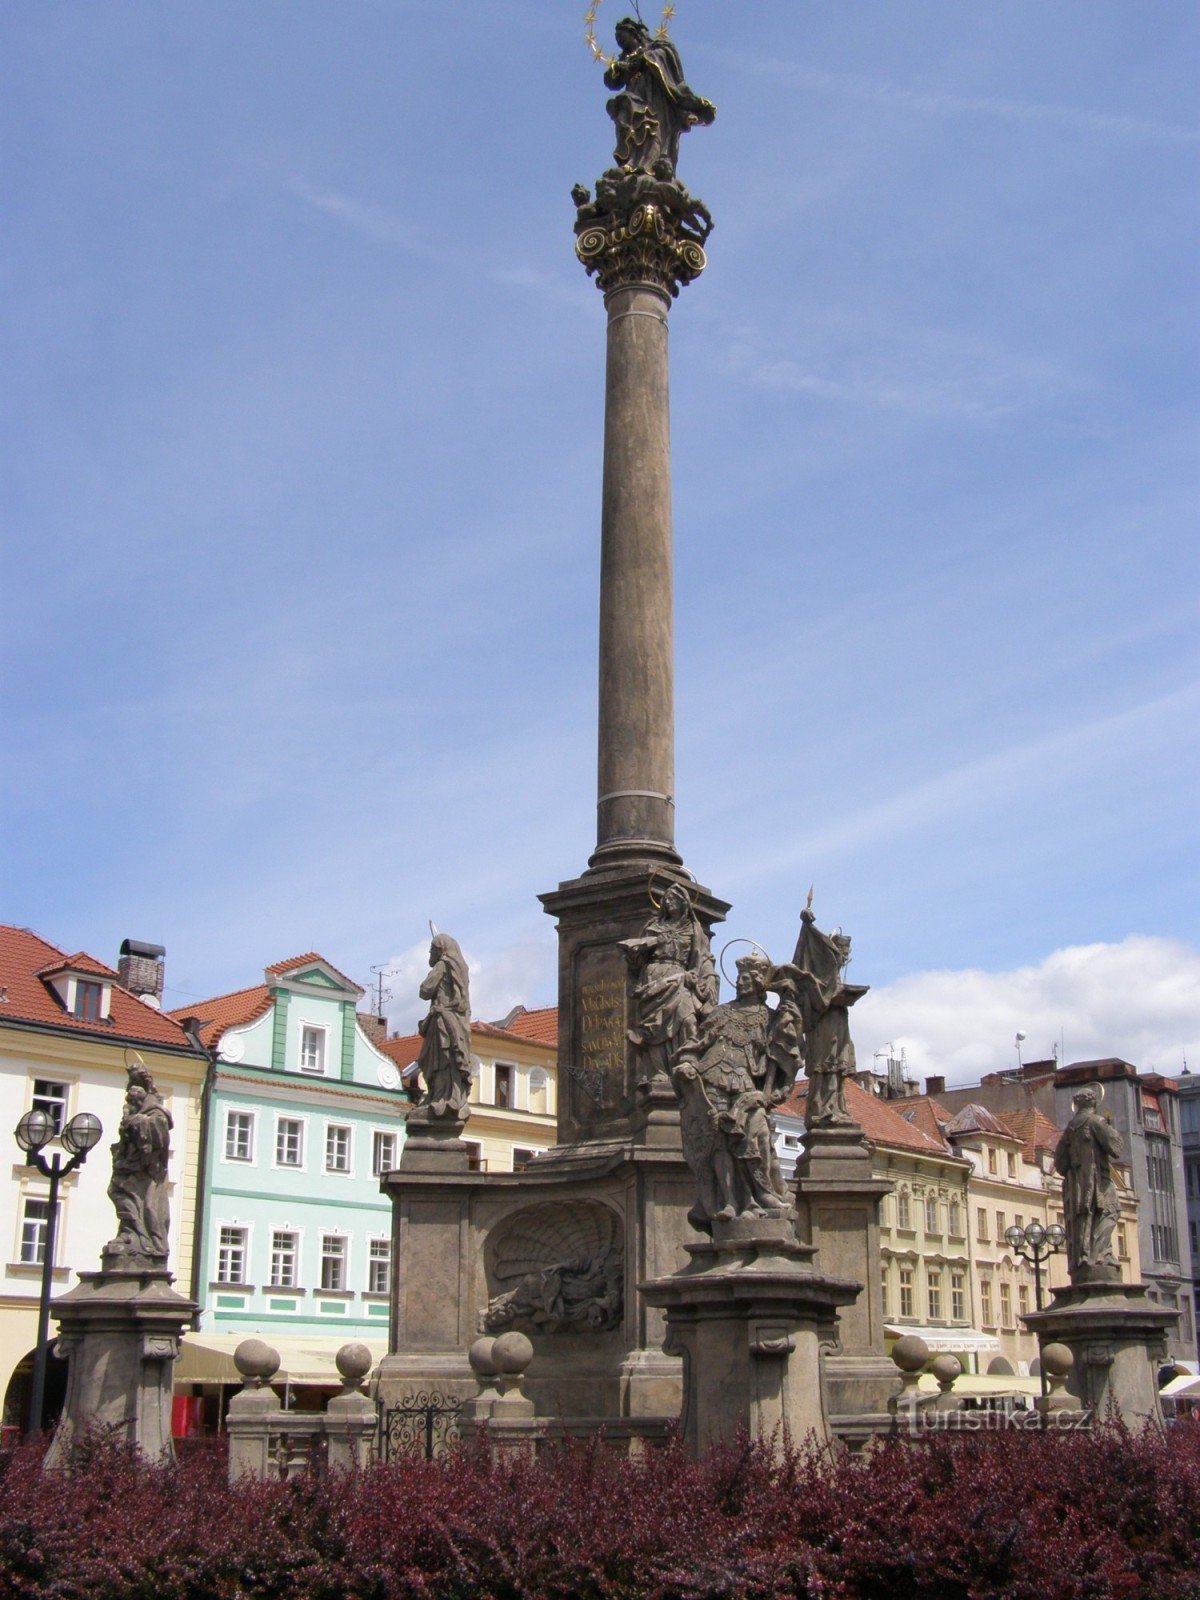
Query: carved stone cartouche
{"type": "Point", "coordinates": [562, 1268]}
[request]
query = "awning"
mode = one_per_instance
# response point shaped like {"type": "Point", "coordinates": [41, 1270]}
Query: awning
{"type": "Point", "coordinates": [982, 1386]}
{"type": "Point", "coordinates": [1185, 1387]}
{"type": "Point", "coordinates": [208, 1358]}
{"type": "Point", "coordinates": [953, 1340]}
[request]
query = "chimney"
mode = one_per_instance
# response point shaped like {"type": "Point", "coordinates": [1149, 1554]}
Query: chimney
{"type": "Point", "coordinates": [375, 1027]}
{"type": "Point", "coordinates": [1039, 1069]}
{"type": "Point", "coordinates": [935, 1085]}
{"type": "Point", "coordinates": [140, 969]}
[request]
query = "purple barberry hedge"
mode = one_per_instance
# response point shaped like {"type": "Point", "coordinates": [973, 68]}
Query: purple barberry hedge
{"type": "Point", "coordinates": [986, 1517]}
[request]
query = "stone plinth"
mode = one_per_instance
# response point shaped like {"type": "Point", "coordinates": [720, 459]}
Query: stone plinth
{"type": "Point", "coordinates": [1118, 1337]}
{"type": "Point", "coordinates": [598, 1102]}
{"type": "Point", "coordinates": [750, 1316]}
{"type": "Point", "coordinates": [449, 1232]}
{"type": "Point", "coordinates": [120, 1332]}
{"type": "Point", "coordinates": [837, 1209]}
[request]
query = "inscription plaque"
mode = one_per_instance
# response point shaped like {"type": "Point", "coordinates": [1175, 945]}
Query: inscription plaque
{"type": "Point", "coordinates": [599, 1074]}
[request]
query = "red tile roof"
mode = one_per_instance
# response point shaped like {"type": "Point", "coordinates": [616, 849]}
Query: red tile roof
{"type": "Point", "coordinates": [541, 1026]}
{"type": "Point", "coordinates": [978, 1119]}
{"type": "Point", "coordinates": [226, 1011]}
{"type": "Point", "coordinates": [1035, 1130]}
{"type": "Point", "coordinates": [280, 969]}
{"type": "Point", "coordinates": [26, 960]}
{"type": "Point", "coordinates": [926, 1115]}
{"type": "Point", "coordinates": [878, 1119]}
{"type": "Point", "coordinates": [403, 1049]}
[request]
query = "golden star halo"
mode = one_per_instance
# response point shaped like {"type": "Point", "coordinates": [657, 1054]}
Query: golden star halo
{"type": "Point", "coordinates": [589, 24]}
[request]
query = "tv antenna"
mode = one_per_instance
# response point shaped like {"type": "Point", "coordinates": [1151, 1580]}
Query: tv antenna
{"type": "Point", "coordinates": [381, 993]}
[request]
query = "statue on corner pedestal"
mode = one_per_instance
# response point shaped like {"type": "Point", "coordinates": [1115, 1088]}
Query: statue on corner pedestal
{"type": "Point", "coordinates": [741, 1065]}
{"type": "Point", "coordinates": [1091, 1204]}
{"type": "Point", "coordinates": [824, 1002]}
{"type": "Point", "coordinates": [445, 1059]}
{"type": "Point", "coordinates": [675, 985]}
{"type": "Point", "coordinates": [138, 1188]}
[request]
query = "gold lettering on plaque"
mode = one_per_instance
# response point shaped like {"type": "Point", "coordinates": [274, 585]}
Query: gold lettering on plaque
{"type": "Point", "coordinates": [602, 1039]}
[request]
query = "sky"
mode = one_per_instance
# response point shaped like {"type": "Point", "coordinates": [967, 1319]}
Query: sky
{"type": "Point", "coordinates": [300, 472]}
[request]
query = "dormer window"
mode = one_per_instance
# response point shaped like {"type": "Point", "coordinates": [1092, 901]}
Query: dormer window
{"type": "Point", "coordinates": [88, 1001]}
{"type": "Point", "coordinates": [312, 1049]}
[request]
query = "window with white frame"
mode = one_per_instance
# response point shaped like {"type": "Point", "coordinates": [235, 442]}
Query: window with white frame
{"type": "Point", "coordinates": [89, 1000]}
{"type": "Point", "coordinates": [383, 1153]}
{"type": "Point", "coordinates": [285, 1251]}
{"type": "Point", "coordinates": [289, 1142]}
{"type": "Point", "coordinates": [505, 1081]}
{"type": "Point", "coordinates": [35, 1224]}
{"type": "Point", "coordinates": [955, 1218]}
{"type": "Point", "coordinates": [906, 1291]}
{"type": "Point", "coordinates": [52, 1099]}
{"type": "Point", "coordinates": [931, 1213]}
{"type": "Point", "coordinates": [903, 1218]}
{"type": "Point", "coordinates": [337, 1148]}
{"type": "Point", "coordinates": [334, 1250]}
{"type": "Point", "coordinates": [958, 1297]}
{"type": "Point", "coordinates": [934, 1295]}
{"type": "Point", "coordinates": [239, 1136]}
{"type": "Point", "coordinates": [1005, 1305]}
{"type": "Point", "coordinates": [379, 1266]}
{"type": "Point", "coordinates": [312, 1048]}
{"type": "Point", "coordinates": [231, 1255]}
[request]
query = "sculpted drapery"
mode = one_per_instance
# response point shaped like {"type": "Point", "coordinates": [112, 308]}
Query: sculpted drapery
{"type": "Point", "coordinates": [445, 1059]}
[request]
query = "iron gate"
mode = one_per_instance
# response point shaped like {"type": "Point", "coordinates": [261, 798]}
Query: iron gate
{"type": "Point", "coordinates": [424, 1423]}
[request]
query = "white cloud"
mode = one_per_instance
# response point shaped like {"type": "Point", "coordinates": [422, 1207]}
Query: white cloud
{"type": "Point", "coordinates": [1139, 999]}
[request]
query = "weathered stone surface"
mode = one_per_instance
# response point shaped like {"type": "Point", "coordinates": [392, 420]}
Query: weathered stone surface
{"type": "Point", "coordinates": [1118, 1337]}
{"type": "Point", "coordinates": [120, 1332]}
{"type": "Point", "coordinates": [1091, 1203]}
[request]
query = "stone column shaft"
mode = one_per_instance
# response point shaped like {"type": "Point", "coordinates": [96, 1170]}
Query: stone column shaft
{"type": "Point", "coordinates": [636, 767]}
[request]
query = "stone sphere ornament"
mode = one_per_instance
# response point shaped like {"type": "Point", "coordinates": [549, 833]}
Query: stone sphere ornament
{"type": "Point", "coordinates": [512, 1352]}
{"type": "Point", "coordinates": [910, 1353]}
{"type": "Point", "coordinates": [480, 1355]}
{"type": "Point", "coordinates": [1057, 1360]}
{"type": "Point", "coordinates": [354, 1361]}
{"type": "Point", "coordinates": [256, 1361]}
{"type": "Point", "coordinates": [946, 1369]}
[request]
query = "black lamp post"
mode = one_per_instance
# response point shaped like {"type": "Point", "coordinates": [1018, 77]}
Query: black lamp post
{"type": "Point", "coordinates": [34, 1131]}
{"type": "Point", "coordinates": [1037, 1244]}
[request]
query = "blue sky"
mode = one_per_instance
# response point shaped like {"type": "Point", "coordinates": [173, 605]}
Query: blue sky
{"type": "Point", "coordinates": [300, 491]}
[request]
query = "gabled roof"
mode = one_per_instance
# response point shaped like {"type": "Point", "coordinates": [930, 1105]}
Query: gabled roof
{"type": "Point", "coordinates": [1036, 1132]}
{"type": "Point", "coordinates": [225, 1011]}
{"type": "Point", "coordinates": [284, 969]}
{"type": "Point", "coordinates": [927, 1115]}
{"type": "Point", "coordinates": [977, 1119]}
{"type": "Point", "coordinates": [403, 1049]}
{"type": "Point", "coordinates": [540, 1027]}
{"type": "Point", "coordinates": [878, 1119]}
{"type": "Point", "coordinates": [27, 961]}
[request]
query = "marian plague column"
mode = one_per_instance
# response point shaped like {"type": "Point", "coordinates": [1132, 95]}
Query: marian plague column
{"type": "Point", "coordinates": [642, 238]}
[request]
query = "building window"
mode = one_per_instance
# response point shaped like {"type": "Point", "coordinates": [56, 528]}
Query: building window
{"type": "Point", "coordinates": [1023, 1299]}
{"type": "Point", "coordinates": [333, 1262]}
{"type": "Point", "coordinates": [52, 1099]}
{"type": "Point", "coordinates": [1006, 1305]}
{"type": "Point", "coordinates": [522, 1158]}
{"type": "Point", "coordinates": [992, 1162]}
{"type": "Point", "coordinates": [504, 1086]}
{"type": "Point", "coordinates": [958, 1297]}
{"type": "Point", "coordinates": [903, 1215]}
{"type": "Point", "coordinates": [981, 1232]}
{"type": "Point", "coordinates": [906, 1291]}
{"type": "Point", "coordinates": [985, 1301]}
{"type": "Point", "coordinates": [312, 1049]}
{"type": "Point", "coordinates": [1122, 1243]}
{"type": "Point", "coordinates": [239, 1136]}
{"type": "Point", "coordinates": [474, 1155]}
{"type": "Point", "coordinates": [931, 1213]}
{"type": "Point", "coordinates": [1000, 1226]}
{"type": "Point", "coordinates": [956, 1218]}
{"type": "Point", "coordinates": [337, 1148]}
{"type": "Point", "coordinates": [34, 1224]}
{"type": "Point", "coordinates": [231, 1256]}
{"type": "Point", "coordinates": [88, 1000]}
{"type": "Point", "coordinates": [284, 1253]}
{"type": "Point", "coordinates": [1018, 1221]}
{"type": "Point", "coordinates": [935, 1297]}
{"type": "Point", "coordinates": [379, 1267]}
{"type": "Point", "coordinates": [383, 1153]}
{"type": "Point", "coordinates": [883, 1276]}
{"type": "Point", "coordinates": [1158, 1164]}
{"type": "Point", "coordinates": [1012, 1165]}
{"type": "Point", "coordinates": [289, 1142]}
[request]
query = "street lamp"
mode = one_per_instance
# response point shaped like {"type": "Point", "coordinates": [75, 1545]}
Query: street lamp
{"type": "Point", "coordinates": [1037, 1244]}
{"type": "Point", "coordinates": [34, 1131]}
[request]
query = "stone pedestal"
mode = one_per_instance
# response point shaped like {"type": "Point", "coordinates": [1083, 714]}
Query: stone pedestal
{"type": "Point", "coordinates": [837, 1209]}
{"type": "Point", "coordinates": [750, 1316]}
{"type": "Point", "coordinates": [120, 1330]}
{"type": "Point", "coordinates": [1118, 1337]}
{"type": "Point", "coordinates": [598, 1099]}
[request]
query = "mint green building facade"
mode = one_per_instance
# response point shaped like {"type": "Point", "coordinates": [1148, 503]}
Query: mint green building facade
{"type": "Point", "coordinates": [303, 1114]}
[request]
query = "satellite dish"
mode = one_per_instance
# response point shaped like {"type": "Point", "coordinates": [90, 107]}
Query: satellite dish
{"type": "Point", "coordinates": [389, 1076]}
{"type": "Point", "coordinates": [151, 1000]}
{"type": "Point", "coordinates": [232, 1050]}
